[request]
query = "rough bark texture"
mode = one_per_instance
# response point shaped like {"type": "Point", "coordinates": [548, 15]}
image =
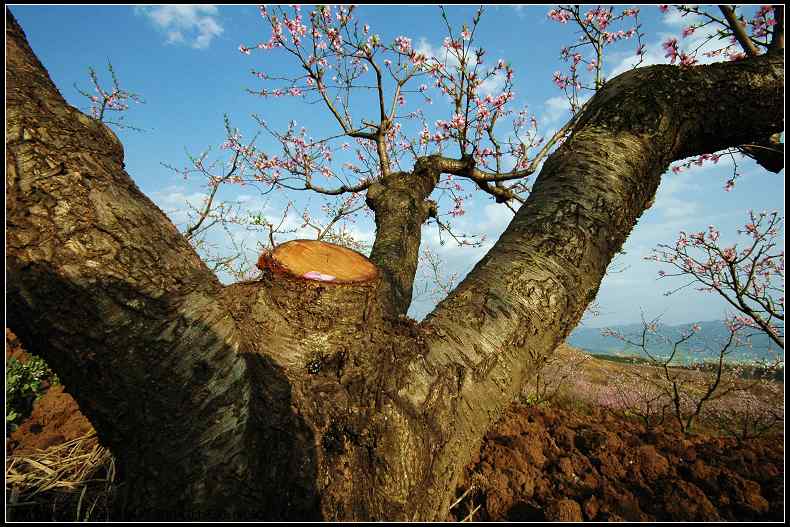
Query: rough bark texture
{"type": "Point", "coordinates": [401, 204]}
{"type": "Point", "coordinates": [102, 284]}
{"type": "Point", "coordinates": [290, 398]}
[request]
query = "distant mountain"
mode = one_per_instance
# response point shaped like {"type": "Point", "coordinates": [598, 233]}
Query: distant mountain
{"type": "Point", "coordinates": [704, 346]}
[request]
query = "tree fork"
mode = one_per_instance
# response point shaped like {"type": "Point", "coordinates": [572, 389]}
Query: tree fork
{"type": "Point", "coordinates": [341, 358]}
{"type": "Point", "coordinates": [525, 296]}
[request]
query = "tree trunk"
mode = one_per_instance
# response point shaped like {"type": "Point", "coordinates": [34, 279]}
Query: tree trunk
{"type": "Point", "coordinates": [286, 398]}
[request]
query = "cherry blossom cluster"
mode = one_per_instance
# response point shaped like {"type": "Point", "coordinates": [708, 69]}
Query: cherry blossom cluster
{"type": "Point", "coordinates": [748, 413]}
{"type": "Point", "coordinates": [461, 76]}
{"type": "Point", "coordinates": [113, 100]}
{"type": "Point", "coordinates": [759, 29]}
{"type": "Point", "coordinates": [595, 34]}
{"type": "Point", "coordinates": [670, 46]}
{"type": "Point", "coordinates": [338, 57]}
{"type": "Point", "coordinates": [750, 279]}
{"type": "Point", "coordinates": [699, 161]}
{"type": "Point", "coordinates": [683, 393]}
{"type": "Point", "coordinates": [762, 21]}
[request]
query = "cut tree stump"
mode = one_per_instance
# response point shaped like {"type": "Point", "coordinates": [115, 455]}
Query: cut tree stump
{"type": "Point", "coordinates": [319, 261]}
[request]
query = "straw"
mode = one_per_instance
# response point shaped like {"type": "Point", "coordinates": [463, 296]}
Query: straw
{"type": "Point", "coordinates": [79, 471]}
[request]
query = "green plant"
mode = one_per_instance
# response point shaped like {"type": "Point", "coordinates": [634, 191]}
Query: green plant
{"type": "Point", "coordinates": [25, 382]}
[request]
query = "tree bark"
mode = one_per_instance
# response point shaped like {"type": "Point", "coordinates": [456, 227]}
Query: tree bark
{"type": "Point", "coordinates": [401, 206]}
{"type": "Point", "coordinates": [285, 398]}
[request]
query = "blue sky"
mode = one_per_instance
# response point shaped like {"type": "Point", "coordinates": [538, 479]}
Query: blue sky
{"type": "Point", "coordinates": [184, 61]}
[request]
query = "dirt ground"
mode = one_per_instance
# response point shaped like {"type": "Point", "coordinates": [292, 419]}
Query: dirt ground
{"type": "Point", "coordinates": [55, 419]}
{"type": "Point", "coordinates": [548, 463]}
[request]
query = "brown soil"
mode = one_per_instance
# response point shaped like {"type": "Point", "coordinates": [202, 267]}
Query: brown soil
{"type": "Point", "coordinates": [13, 349]}
{"type": "Point", "coordinates": [540, 464]}
{"type": "Point", "coordinates": [56, 418]}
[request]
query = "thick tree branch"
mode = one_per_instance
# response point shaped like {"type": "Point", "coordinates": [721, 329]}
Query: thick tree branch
{"type": "Point", "coordinates": [769, 154]}
{"type": "Point", "coordinates": [530, 290]}
{"type": "Point", "coordinates": [104, 287]}
{"type": "Point", "coordinates": [400, 202]}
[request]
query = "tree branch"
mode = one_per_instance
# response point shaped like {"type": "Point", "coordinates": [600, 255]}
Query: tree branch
{"type": "Point", "coordinates": [103, 286]}
{"type": "Point", "coordinates": [530, 290]}
{"type": "Point", "coordinates": [737, 29]}
{"type": "Point", "coordinates": [400, 202]}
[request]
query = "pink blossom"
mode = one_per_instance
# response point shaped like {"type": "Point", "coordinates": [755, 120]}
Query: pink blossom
{"type": "Point", "coordinates": [671, 47]}
{"type": "Point", "coordinates": [403, 44]}
{"type": "Point", "coordinates": [425, 136]}
{"type": "Point", "coordinates": [418, 59]}
{"type": "Point", "coordinates": [560, 15]}
{"type": "Point", "coordinates": [687, 60]}
{"type": "Point", "coordinates": [559, 80]}
{"type": "Point", "coordinates": [451, 44]}
{"type": "Point", "coordinates": [458, 121]}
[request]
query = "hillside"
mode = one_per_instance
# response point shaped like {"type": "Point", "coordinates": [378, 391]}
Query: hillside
{"type": "Point", "coordinates": [703, 346]}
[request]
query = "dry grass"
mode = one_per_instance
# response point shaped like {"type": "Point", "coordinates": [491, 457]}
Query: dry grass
{"type": "Point", "coordinates": [70, 480]}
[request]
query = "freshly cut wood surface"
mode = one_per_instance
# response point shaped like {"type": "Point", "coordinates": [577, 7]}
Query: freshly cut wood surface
{"type": "Point", "coordinates": [319, 261]}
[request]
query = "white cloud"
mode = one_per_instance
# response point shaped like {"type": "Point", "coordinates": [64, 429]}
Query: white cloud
{"type": "Point", "coordinates": [185, 23]}
{"type": "Point", "coordinates": [675, 19]}
{"type": "Point", "coordinates": [653, 55]}
{"type": "Point", "coordinates": [439, 53]}
{"type": "Point", "coordinates": [556, 109]}
{"type": "Point", "coordinates": [175, 201]}
{"type": "Point", "coordinates": [674, 199]}
{"type": "Point", "coordinates": [498, 217]}
{"type": "Point", "coordinates": [493, 85]}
